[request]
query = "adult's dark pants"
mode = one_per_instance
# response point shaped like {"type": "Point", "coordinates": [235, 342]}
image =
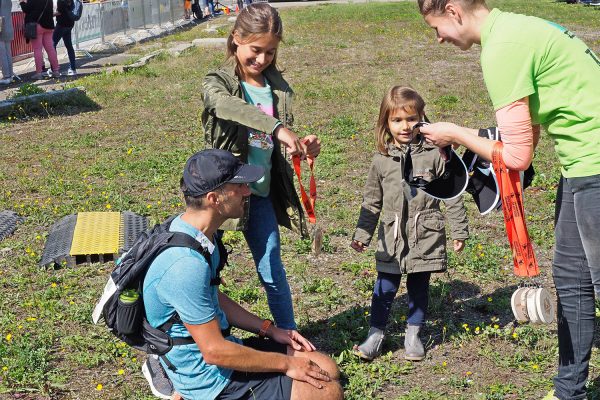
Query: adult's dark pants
{"type": "Point", "coordinates": [64, 33]}
{"type": "Point", "coordinates": [576, 271]}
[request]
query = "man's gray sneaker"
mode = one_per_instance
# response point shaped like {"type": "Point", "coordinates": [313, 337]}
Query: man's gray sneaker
{"type": "Point", "coordinates": [160, 384]}
{"type": "Point", "coordinates": [413, 347]}
{"type": "Point", "coordinates": [371, 347]}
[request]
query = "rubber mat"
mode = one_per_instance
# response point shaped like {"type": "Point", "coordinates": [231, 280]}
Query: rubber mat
{"type": "Point", "coordinates": [8, 223]}
{"type": "Point", "coordinates": [132, 225]}
{"type": "Point", "coordinates": [58, 243]}
{"type": "Point", "coordinates": [96, 233]}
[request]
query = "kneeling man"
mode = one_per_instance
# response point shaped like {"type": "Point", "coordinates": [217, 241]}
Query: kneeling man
{"type": "Point", "coordinates": [278, 364]}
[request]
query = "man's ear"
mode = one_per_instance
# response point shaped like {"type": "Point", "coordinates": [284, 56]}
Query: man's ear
{"type": "Point", "coordinates": [212, 199]}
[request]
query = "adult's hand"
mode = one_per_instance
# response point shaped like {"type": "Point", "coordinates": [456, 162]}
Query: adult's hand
{"type": "Point", "coordinates": [305, 370]}
{"type": "Point", "coordinates": [292, 338]}
{"type": "Point", "coordinates": [290, 140]}
{"type": "Point", "coordinates": [441, 134]}
{"type": "Point", "coordinates": [312, 145]}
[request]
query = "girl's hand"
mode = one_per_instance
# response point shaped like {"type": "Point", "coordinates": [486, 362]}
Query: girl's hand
{"type": "Point", "coordinates": [292, 338]}
{"type": "Point", "coordinates": [458, 245]}
{"type": "Point", "coordinates": [440, 134]}
{"type": "Point", "coordinates": [358, 246]}
{"type": "Point", "coordinates": [290, 140]}
{"type": "Point", "coordinates": [312, 145]}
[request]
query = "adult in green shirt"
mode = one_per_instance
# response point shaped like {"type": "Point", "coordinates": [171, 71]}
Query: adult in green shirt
{"type": "Point", "coordinates": [539, 73]}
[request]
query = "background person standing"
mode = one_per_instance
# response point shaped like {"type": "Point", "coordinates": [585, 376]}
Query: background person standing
{"type": "Point", "coordinates": [6, 37]}
{"type": "Point", "coordinates": [64, 26]}
{"type": "Point", "coordinates": [40, 12]}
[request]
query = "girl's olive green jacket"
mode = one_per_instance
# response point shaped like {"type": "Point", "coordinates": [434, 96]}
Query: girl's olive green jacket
{"type": "Point", "coordinates": [412, 233]}
{"type": "Point", "coordinates": [226, 119]}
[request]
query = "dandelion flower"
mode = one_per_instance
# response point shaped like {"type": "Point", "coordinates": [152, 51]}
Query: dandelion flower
{"type": "Point", "coordinates": [121, 372]}
{"type": "Point", "coordinates": [489, 299]}
{"type": "Point", "coordinates": [9, 337]}
{"type": "Point", "coordinates": [53, 284]}
{"type": "Point", "coordinates": [444, 364]}
{"type": "Point", "coordinates": [99, 386]}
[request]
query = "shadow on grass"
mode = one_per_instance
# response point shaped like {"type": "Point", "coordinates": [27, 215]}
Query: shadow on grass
{"type": "Point", "coordinates": [43, 105]}
{"type": "Point", "coordinates": [451, 304]}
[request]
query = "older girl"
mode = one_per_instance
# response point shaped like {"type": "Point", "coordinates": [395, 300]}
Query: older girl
{"type": "Point", "coordinates": [247, 110]}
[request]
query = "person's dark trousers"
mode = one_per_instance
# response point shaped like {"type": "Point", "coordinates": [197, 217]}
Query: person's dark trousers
{"type": "Point", "coordinates": [576, 271]}
{"type": "Point", "coordinates": [386, 287]}
{"type": "Point", "coordinates": [64, 33]}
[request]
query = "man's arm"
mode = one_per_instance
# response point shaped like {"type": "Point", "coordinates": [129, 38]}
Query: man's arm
{"type": "Point", "coordinates": [243, 319]}
{"type": "Point", "coordinates": [218, 351]}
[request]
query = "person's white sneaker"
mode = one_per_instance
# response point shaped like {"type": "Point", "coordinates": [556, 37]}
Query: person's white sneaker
{"type": "Point", "coordinates": [6, 81]}
{"type": "Point", "coordinates": [71, 72]}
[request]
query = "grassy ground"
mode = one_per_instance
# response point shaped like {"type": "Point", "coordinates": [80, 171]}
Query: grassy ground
{"type": "Point", "coordinates": [127, 154]}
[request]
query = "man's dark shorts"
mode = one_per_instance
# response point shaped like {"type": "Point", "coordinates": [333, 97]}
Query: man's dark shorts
{"type": "Point", "coordinates": [259, 385]}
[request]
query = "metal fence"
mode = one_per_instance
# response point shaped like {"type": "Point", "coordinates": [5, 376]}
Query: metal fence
{"type": "Point", "coordinates": [102, 19]}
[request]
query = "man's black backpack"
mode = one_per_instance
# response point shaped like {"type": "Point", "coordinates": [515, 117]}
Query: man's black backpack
{"type": "Point", "coordinates": [75, 11]}
{"type": "Point", "coordinates": [128, 321]}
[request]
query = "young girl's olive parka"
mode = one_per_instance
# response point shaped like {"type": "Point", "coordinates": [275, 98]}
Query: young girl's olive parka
{"type": "Point", "coordinates": [226, 119]}
{"type": "Point", "coordinates": [412, 233]}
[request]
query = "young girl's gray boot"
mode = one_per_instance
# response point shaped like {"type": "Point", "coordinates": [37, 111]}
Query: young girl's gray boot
{"type": "Point", "coordinates": [371, 347]}
{"type": "Point", "coordinates": [413, 348]}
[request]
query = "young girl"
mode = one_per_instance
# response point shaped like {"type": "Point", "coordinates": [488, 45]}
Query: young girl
{"type": "Point", "coordinates": [247, 110]}
{"type": "Point", "coordinates": [412, 237]}
{"type": "Point", "coordinates": [539, 73]}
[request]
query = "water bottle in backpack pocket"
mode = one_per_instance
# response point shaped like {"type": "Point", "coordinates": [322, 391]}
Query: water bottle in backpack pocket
{"type": "Point", "coordinates": [129, 312]}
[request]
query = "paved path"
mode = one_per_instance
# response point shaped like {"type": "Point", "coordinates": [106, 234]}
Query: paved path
{"type": "Point", "coordinates": [103, 59]}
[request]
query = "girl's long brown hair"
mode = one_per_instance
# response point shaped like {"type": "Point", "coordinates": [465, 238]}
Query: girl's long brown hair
{"type": "Point", "coordinates": [254, 20]}
{"type": "Point", "coordinates": [397, 97]}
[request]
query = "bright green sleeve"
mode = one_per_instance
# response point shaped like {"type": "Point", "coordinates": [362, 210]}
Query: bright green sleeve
{"type": "Point", "coordinates": [508, 72]}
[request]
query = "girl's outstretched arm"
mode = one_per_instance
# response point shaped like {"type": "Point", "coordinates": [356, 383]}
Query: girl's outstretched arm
{"type": "Point", "coordinates": [219, 101]}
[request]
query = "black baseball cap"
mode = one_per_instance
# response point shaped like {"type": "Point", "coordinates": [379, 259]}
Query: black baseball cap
{"type": "Point", "coordinates": [207, 170]}
{"type": "Point", "coordinates": [450, 184]}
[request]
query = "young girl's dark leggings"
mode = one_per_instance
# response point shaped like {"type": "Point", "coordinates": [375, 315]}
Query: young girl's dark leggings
{"type": "Point", "coordinates": [386, 287]}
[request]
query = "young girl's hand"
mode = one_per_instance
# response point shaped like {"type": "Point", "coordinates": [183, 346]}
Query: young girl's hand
{"type": "Point", "coordinates": [312, 145]}
{"type": "Point", "coordinates": [358, 246]}
{"type": "Point", "coordinates": [290, 140]}
{"type": "Point", "coordinates": [459, 245]}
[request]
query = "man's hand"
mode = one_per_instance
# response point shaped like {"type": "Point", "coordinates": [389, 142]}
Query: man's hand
{"type": "Point", "coordinates": [458, 245]}
{"type": "Point", "coordinates": [290, 337]}
{"type": "Point", "coordinates": [306, 370]}
{"type": "Point", "coordinates": [358, 246]}
{"type": "Point", "coordinates": [312, 145]}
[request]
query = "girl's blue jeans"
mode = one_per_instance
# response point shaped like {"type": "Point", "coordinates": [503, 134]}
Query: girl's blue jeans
{"type": "Point", "coordinates": [576, 271]}
{"type": "Point", "coordinates": [262, 236]}
{"type": "Point", "coordinates": [384, 292]}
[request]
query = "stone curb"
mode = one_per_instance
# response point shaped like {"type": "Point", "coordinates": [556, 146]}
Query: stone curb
{"type": "Point", "coordinates": [65, 96]}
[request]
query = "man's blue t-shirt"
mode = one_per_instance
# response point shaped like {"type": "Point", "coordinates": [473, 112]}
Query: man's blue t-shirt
{"type": "Point", "coordinates": [179, 280]}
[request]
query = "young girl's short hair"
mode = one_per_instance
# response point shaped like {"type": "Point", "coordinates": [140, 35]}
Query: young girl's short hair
{"type": "Point", "coordinates": [255, 20]}
{"type": "Point", "coordinates": [438, 6]}
{"type": "Point", "coordinates": [397, 97]}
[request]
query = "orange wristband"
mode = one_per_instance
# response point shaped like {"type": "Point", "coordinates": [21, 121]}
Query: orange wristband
{"type": "Point", "coordinates": [264, 328]}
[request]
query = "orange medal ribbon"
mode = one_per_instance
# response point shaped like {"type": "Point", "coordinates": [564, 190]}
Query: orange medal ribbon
{"type": "Point", "coordinates": [308, 202]}
{"type": "Point", "coordinates": [511, 193]}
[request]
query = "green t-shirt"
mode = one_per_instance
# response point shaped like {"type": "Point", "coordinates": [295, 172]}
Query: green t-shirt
{"type": "Point", "coordinates": [260, 144]}
{"type": "Point", "coordinates": [523, 56]}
